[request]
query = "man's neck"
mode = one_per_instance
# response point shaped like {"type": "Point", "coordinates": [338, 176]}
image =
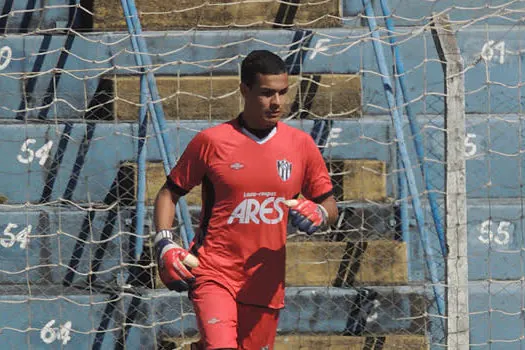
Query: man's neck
{"type": "Point", "coordinates": [260, 133]}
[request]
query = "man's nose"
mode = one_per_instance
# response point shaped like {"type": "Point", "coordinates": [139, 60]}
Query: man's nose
{"type": "Point", "coordinates": [276, 99]}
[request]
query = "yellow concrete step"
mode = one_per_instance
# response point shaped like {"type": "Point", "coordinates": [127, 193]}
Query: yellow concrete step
{"type": "Point", "coordinates": [358, 179]}
{"type": "Point", "coordinates": [219, 97]}
{"type": "Point", "coordinates": [334, 342]}
{"type": "Point", "coordinates": [329, 342]}
{"type": "Point", "coordinates": [354, 179]}
{"type": "Point", "coordinates": [186, 14]}
{"type": "Point", "coordinates": [341, 264]}
{"type": "Point", "coordinates": [155, 179]}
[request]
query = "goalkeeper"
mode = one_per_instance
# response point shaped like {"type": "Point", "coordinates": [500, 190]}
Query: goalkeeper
{"type": "Point", "coordinates": [249, 168]}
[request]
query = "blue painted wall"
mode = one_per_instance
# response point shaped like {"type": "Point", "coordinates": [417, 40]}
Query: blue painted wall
{"type": "Point", "coordinates": [178, 52]}
{"type": "Point", "coordinates": [92, 153]}
{"type": "Point", "coordinates": [418, 13]}
{"type": "Point", "coordinates": [169, 314]}
{"type": "Point", "coordinates": [25, 16]}
{"type": "Point", "coordinates": [54, 234]}
{"type": "Point", "coordinates": [309, 309]}
{"type": "Point", "coordinates": [495, 233]}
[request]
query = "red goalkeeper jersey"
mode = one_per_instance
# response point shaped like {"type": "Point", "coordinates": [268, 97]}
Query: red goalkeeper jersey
{"type": "Point", "coordinates": [242, 235]}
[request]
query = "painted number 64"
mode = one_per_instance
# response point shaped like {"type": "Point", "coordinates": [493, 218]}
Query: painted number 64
{"type": "Point", "coordinates": [50, 334]}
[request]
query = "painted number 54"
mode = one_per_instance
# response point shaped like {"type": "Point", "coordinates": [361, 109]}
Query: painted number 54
{"type": "Point", "coordinates": [10, 238]}
{"type": "Point", "coordinates": [27, 155]}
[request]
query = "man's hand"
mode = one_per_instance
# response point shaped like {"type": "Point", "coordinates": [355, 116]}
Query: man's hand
{"type": "Point", "coordinates": [173, 262]}
{"type": "Point", "coordinates": [306, 215]}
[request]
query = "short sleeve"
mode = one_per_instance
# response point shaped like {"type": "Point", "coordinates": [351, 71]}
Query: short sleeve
{"type": "Point", "coordinates": [192, 165]}
{"type": "Point", "coordinates": [317, 184]}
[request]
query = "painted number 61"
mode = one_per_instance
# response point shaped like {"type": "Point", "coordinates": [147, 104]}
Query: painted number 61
{"type": "Point", "coordinates": [488, 51]}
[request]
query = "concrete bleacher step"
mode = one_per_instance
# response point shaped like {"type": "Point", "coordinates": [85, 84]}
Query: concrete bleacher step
{"type": "Point", "coordinates": [322, 309]}
{"type": "Point", "coordinates": [495, 309]}
{"type": "Point", "coordinates": [44, 246]}
{"type": "Point", "coordinates": [56, 233]}
{"type": "Point", "coordinates": [219, 97]}
{"type": "Point", "coordinates": [199, 53]}
{"type": "Point", "coordinates": [346, 264]}
{"type": "Point", "coordinates": [212, 53]}
{"type": "Point", "coordinates": [419, 13]}
{"type": "Point", "coordinates": [187, 14]}
{"type": "Point", "coordinates": [28, 16]}
{"type": "Point", "coordinates": [494, 243]}
{"type": "Point", "coordinates": [25, 16]}
{"type": "Point", "coordinates": [159, 314]}
{"type": "Point", "coordinates": [353, 179]}
{"type": "Point", "coordinates": [52, 317]}
{"type": "Point", "coordinates": [343, 264]}
{"type": "Point", "coordinates": [60, 241]}
{"type": "Point", "coordinates": [83, 160]}
{"type": "Point", "coordinates": [328, 342]}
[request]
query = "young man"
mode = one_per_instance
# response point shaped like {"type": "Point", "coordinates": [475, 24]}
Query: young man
{"type": "Point", "coordinates": [249, 167]}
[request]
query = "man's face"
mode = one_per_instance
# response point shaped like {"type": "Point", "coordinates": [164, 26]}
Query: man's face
{"type": "Point", "coordinates": [265, 102]}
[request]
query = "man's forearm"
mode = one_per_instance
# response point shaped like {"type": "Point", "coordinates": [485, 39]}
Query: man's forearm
{"type": "Point", "coordinates": [331, 208]}
{"type": "Point", "coordinates": [164, 210]}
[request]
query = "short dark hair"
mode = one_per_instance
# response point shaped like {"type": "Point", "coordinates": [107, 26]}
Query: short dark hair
{"type": "Point", "coordinates": [262, 62]}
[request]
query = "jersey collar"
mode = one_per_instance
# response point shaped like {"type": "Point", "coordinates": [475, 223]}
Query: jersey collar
{"type": "Point", "coordinates": [260, 141]}
{"type": "Point", "coordinates": [255, 138]}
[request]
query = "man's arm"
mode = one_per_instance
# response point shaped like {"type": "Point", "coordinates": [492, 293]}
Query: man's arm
{"type": "Point", "coordinates": [331, 208]}
{"type": "Point", "coordinates": [172, 259]}
{"type": "Point", "coordinates": [164, 209]}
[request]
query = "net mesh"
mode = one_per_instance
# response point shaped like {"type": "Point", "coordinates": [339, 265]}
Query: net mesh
{"type": "Point", "coordinates": [69, 273]}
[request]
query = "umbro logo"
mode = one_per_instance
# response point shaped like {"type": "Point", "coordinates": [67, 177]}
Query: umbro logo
{"type": "Point", "coordinates": [236, 166]}
{"type": "Point", "coordinates": [213, 320]}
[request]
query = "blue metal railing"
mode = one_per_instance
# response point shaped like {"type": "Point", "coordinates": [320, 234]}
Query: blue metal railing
{"type": "Point", "coordinates": [414, 126]}
{"type": "Point", "coordinates": [398, 126]}
{"type": "Point", "coordinates": [148, 94]}
{"type": "Point", "coordinates": [155, 109]}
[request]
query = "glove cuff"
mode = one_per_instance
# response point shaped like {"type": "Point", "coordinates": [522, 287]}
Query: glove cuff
{"type": "Point", "coordinates": [162, 234]}
{"type": "Point", "coordinates": [324, 213]}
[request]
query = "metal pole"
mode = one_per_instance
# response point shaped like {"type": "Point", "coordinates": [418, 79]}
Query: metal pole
{"type": "Point", "coordinates": [398, 126]}
{"type": "Point", "coordinates": [414, 127]}
{"type": "Point", "coordinates": [456, 198]}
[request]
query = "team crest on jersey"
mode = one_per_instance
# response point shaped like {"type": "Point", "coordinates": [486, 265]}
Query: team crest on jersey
{"type": "Point", "coordinates": [284, 168]}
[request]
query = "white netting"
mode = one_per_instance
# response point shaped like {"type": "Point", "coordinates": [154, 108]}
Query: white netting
{"type": "Point", "coordinates": [70, 137]}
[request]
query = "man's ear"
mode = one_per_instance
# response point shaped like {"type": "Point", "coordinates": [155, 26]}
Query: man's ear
{"type": "Point", "coordinates": [244, 89]}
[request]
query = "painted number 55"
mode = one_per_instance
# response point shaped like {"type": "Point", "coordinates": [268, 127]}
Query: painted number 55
{"type": "Point", "coordinates": [502, 235]}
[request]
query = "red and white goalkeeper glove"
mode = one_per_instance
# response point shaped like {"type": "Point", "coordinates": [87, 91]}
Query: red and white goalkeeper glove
{"type": "Point", "coordinates": [173, 262]}
{"type": "Point", "coordinates": [306, 215]}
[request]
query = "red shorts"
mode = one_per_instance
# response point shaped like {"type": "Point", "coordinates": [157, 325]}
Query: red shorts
{"type": "Point", "coordinates": [224, 323]}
